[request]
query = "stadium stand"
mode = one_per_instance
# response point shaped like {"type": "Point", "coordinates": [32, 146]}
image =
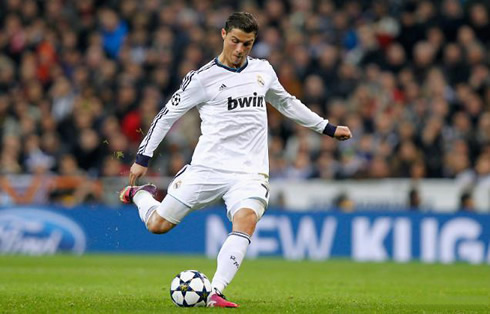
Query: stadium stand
{"type": "Point", "coordinates": [80, 82]}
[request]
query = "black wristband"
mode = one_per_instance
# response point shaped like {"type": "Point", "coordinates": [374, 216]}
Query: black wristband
{"type": "Point", "coordinates": [142, 160]}
{"type": "Point", "coordinates": [330, 129]}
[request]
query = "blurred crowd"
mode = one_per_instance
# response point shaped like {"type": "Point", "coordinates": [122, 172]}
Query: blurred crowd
{"type": "Point", "coordinates": [81, 81]}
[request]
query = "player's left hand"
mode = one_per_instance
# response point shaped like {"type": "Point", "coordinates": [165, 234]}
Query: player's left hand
{"type": "Point", "coordinates": [342, 133]}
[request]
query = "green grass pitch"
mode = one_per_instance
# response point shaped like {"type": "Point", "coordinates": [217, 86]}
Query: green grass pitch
{"type": "Point", "coordinates": [140, 284]}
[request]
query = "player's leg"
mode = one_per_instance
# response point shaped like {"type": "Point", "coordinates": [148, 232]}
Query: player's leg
{"type": "Point", "coordinates": [169, 213]}
{"type": "Point", "coordinates": [191, 189]}
{"type": "Point", "coordinates": [142, 197]}
{"type": "Point", "coordinates": [246, 200]}
{"type": "Point", "coordinates": [234, 249]}
{"type": "Point", "coordinates": [151, 211]}
{"type": "Point", "coordinates": [158, 225]}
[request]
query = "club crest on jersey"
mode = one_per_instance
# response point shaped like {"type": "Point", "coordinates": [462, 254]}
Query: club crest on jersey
{"type": "Point", "coordinates": [260, 80]}
{"type": "Point", "coordinates": [246, 102]}
{"type": "Point", "coordinates": [177, 184]}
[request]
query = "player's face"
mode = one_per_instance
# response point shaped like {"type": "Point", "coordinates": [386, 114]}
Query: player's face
{"type": "Point", "coordinates": [236, 47]}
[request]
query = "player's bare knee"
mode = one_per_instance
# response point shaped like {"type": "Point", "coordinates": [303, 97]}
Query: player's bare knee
{"type": "Point", "coordinates": [245, 220]}
{"type": "Point", "coordinates": [158, 225]}
{"type": "Point", "coordinates": [159, 228]}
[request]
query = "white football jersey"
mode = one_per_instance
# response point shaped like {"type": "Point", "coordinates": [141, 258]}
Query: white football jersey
{"type": "Point", "coordinates": [232, 106]}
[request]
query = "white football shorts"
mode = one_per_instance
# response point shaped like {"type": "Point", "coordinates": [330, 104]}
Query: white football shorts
{"type": "Point", "coordinates": [195, 187]}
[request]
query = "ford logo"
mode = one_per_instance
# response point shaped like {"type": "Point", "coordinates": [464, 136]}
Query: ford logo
{"type": "Point", "coordinates": [39, 232]}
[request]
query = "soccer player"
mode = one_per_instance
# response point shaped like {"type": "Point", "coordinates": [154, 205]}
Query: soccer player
{"type": "Point", "coordinates": [231, 158]}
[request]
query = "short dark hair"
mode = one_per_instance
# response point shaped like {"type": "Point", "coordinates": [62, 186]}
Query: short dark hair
{"type": "Point", "coordinates": [243, 21]}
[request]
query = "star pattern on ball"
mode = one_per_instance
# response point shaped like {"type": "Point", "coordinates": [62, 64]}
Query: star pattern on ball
{"type": "Point", "coordinates": [190, 288]}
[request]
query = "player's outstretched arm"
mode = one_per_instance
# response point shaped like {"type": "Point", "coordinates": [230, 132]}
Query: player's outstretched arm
{"type": "Point", "coordinates": [136, 172]}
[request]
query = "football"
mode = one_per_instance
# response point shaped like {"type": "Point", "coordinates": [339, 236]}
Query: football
{"type": "Point", "coordinates": [190, 288]}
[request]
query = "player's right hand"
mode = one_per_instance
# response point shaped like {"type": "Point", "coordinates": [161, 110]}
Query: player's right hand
{"type": "Point", "coordinates": [135, 172]}
{"type": "Point", "coordinates": [342, 133]}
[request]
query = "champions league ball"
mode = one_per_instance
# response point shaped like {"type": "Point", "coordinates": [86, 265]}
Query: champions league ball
{"type": "Point", "coordinates": [190, 288]}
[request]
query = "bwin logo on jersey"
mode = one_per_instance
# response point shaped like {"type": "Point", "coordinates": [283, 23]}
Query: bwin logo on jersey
{"type": "Point", "coordinates": [245, 102]}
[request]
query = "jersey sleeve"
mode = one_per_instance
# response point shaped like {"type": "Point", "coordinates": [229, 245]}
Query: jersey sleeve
{"type": "Point", "coordinates": [291, 107]}
{"type": "Point", "coordinates": [190, 94]}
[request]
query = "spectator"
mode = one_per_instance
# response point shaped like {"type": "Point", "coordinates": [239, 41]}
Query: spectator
{"type": "Point", "coordinates": [344, 203]}
{"type": "Point", "coordinates": [466, 202]}
{"type": "Point", "coordinates": [479, 20]}
{"type": "Point", "coordinates": [113, 32]}
{"type": "Point", "coordinates": [414, 200]}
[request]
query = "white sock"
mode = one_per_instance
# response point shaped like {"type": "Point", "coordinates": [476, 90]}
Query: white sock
{"type": "Point", "coordinates": [146, 205]}
{"type": "Point", "coordinates": [230, 258]}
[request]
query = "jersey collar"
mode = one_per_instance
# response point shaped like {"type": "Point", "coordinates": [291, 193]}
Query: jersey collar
{"type": "Point", "coordinates": [237, 70]}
